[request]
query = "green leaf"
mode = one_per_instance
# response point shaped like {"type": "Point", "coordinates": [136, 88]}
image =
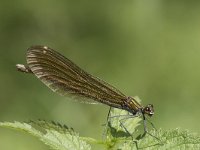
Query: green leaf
{"type": "Point", "coordinates": [53, 134]}
{"type": "Point", "coordinates": [122, 134]}
{"type": "Point", "coordinates": [173, 140]}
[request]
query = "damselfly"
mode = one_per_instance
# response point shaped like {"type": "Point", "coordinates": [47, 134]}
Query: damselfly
{"type": "Point", "coordinates": [65, 78]}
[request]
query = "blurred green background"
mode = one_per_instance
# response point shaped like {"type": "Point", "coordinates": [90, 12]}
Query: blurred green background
{"type": "Point", "coordinates": [146, 48]}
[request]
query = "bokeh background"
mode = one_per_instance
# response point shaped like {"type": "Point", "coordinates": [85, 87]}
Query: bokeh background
{"type": "Point", "coordinates": [146, 48]}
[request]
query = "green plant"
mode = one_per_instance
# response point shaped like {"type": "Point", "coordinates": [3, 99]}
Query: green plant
{"type": "Point", "coordinates": [60, 137]}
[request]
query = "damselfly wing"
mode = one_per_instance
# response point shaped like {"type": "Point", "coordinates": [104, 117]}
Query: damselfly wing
{"type": "Point", "coordinates": [64, 77]}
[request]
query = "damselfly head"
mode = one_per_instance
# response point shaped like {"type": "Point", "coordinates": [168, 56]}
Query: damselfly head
{"type": "Point", "coordinates": [148, 110]}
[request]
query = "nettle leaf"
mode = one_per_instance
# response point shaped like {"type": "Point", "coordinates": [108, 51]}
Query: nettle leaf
{"type": "Point", "coordinates": [172, 139]}
{"type": "Point", "coordinates": [122, 134]}
{"type": "Point", "coordinates": [52, 134]}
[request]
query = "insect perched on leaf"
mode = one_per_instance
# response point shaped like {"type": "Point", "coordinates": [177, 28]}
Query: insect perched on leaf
{"type": "Point", "coordinates": [65, 78]}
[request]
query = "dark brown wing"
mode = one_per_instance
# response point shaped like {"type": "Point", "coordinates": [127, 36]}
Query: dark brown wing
{"type": "Point", "coordinates": [64, 77]}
